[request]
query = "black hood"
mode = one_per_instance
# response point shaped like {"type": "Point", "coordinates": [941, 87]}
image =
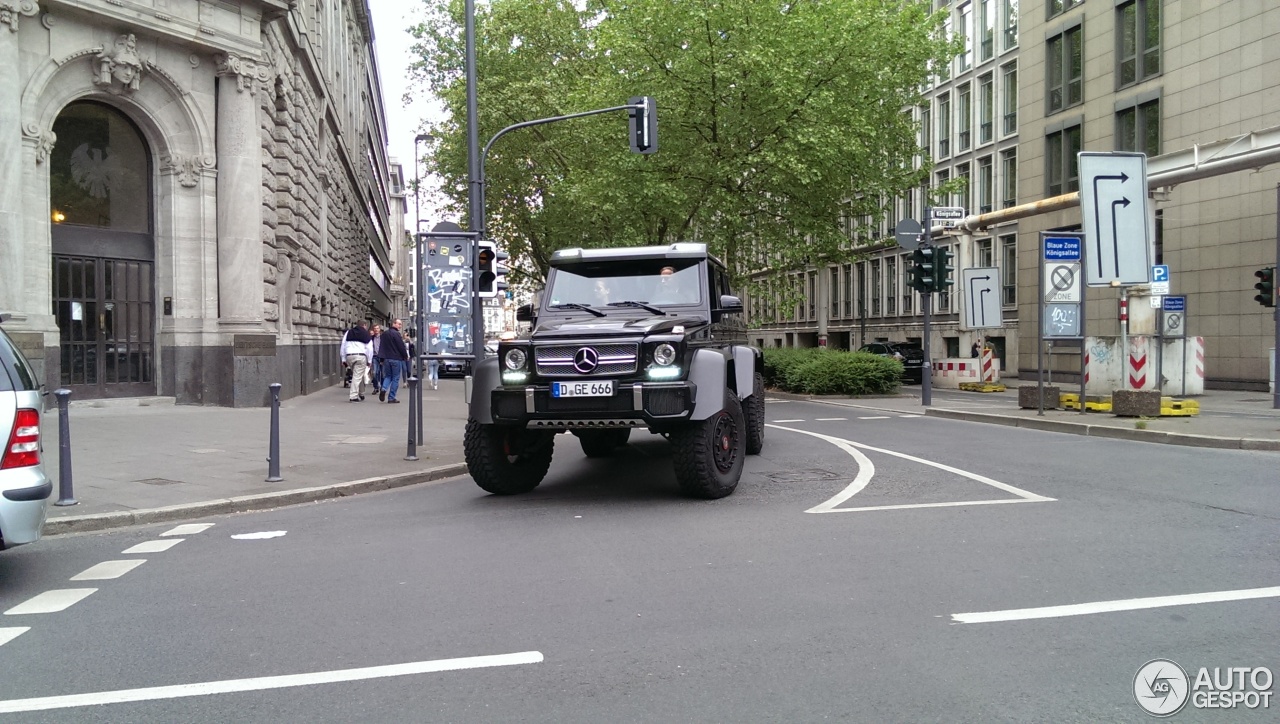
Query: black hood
{"type": "Point", "coordinates": [614, 325]}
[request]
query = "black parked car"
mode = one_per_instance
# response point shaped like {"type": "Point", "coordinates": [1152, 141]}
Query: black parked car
{"type": "Point", "coordinates": [910, 355]}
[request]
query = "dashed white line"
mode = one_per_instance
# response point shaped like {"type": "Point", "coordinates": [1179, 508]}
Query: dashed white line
{"type": "Point", "coordinates": [1130, 604]}
{"type": "Point", "coordinates": [187, 529]}
{"type": "Point", "coordinates": [875, 417]}
{"type": "Point", "coordinates": [788, 420]}
{"type": "Point", "coordinates": [266, 682]}
{"type": "Point", "coordinates": [51, 601]}
{"type": "Point", "coordinates": [153, 546]}
{"type": "Point", "coordinates": [829, 419]}
{"type": "Point", "coordinates": [11, 633]}
{"type": "Point", "coordinates": [908, 417]}
{"type": "Point", "coordinates": [108, 569]}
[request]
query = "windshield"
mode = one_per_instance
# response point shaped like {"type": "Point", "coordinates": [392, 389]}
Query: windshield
{"type": "Point", "coordinates": [651, 281]}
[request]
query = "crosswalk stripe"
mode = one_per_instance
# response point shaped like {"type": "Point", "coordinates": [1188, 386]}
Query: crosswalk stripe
{"type": "Point", "coordinates": [187, 529]}
{"type": "Point", "coordinates": [108, 569]}
{"type": "Point", "coordinates": [9, 634]}
{"type": "Point", "coordinates": [51, 601]}
{"type": "Point", "coordinates": [829, 419]}
{"type": "Point", "coordinates": [788, 420]}
{"type": "Point", "coordinates": [153, 546]}
{"type": "Point", "coordinates": [875, 417]}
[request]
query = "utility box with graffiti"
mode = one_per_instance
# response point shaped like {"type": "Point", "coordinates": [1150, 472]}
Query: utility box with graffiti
{"type": "Point", "coordinates": [1148, 360]}
{"type": "Point", "coordinates": [447, 306]}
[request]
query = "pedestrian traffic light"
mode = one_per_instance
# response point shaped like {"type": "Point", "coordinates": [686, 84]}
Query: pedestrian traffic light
{"type": "Point", "coordinates": [942, 268]}
{"type": "Point", "coordinates": [486, 269]}
{"type": "Point", "coordinates": [1266, 286]}
{"type": "Point", "coordinates": [922, 269]}
{"type": "Point", "coordinates": [642, 124]}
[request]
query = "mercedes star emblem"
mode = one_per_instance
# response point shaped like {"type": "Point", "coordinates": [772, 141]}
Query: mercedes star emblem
{"type": "Point", "coordinates": [585, 360]}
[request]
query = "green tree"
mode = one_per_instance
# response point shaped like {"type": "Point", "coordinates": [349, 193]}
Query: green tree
{"type": "Point", "coordinates": [777, 121]}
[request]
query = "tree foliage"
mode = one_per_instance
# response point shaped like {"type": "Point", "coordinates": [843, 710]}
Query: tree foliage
{"type": "Point", "coordinates": [777, 120]}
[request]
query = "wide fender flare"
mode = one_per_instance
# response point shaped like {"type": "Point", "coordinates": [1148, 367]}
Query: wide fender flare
{"type": "Point", "coordinates": [486, 377]}
{"type": "Point", "coordinates": [746, 362]}
{"type": "Point", "coordinates": [709, 371]}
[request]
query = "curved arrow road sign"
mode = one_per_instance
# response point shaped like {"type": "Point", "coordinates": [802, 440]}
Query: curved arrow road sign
{"type": "Point", "coordinates": [1113, 205]}
{"type": "Point", "coordinates": [980, 286]}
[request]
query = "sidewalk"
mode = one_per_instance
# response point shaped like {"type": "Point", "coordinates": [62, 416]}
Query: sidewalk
{"type": "Point", "coordinates": [1227, 419]}
{"type": "Point", "coordinates": [137, 464]}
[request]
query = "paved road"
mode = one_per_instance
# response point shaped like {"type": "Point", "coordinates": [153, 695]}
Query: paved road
{"type": "Point", "coordinates": [610, 598]}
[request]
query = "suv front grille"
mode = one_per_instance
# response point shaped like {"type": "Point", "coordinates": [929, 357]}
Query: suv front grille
{"type": "Point", "coordinates": [614, 358]}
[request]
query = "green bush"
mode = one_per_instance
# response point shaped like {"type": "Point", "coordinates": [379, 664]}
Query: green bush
{"type": "Point", "coordinates": [822, 372]}
{"type": "Point", "coordinates": [779, 360]}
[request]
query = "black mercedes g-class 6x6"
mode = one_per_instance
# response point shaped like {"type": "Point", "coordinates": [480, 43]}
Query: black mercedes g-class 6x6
{"type": "Point", "coordinates": [647, 337]}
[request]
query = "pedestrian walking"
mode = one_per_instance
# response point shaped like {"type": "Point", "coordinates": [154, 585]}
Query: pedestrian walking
{"type": "Point", "coordinates": [376, 333]}
{"type": "Point", "coordinates": [357, 351]}
{"type": "Point", "coordinates": [395, 356]}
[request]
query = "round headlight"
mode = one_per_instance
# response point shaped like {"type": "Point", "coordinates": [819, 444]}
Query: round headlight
{"type": "Point", "coordinates": [664, 354]}
{"type": "Point", "coordinates": [515, 359]}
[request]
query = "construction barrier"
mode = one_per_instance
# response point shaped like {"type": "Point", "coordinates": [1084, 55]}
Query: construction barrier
{"type": "Point", "coordinates": [982, 387]}
{"type": "Point", "coordinates": [951, 372]}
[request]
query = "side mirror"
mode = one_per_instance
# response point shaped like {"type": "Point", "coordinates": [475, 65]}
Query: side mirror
{"type": "Point", "coordinates": [524, 313]}
{"type": "Point", "coordinates": [730, 304]}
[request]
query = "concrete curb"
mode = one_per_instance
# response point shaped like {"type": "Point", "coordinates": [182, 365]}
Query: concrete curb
{"type": "Point", "coordinates": [1106, 431]}
{"type": "Point", "coordinates": [246, 503]}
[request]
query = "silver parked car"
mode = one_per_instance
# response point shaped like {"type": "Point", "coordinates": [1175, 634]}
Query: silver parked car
{"type": "Point", "coordinates": [24, 487]}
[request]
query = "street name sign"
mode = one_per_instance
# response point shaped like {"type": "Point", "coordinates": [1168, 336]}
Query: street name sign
{"type": "Point", "coordinates": [949, 216]}
{"type": "Point", "coordinates": [1175, 304]}
{"type": "Point", "coordinates": [982, 308]}
{"type": "Point", "coordinates": [1113, 205]}
{"type": "Point", "coordinates": [1062, 248]}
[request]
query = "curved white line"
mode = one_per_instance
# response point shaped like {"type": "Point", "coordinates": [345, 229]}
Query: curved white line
{"type": "Point", "coordinates": [866, 469]}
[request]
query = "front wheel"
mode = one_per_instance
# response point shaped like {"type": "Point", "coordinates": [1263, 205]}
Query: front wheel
{"type": "Point", "coordinates": [507, 460]}
{"type": "Point", "coordinates": [709, 454]}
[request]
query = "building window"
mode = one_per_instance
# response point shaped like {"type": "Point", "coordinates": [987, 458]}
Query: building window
{"type": "Point", "coordinates": [1062, 168]}
{"type": "Point", "coordinates": [812, 289]}
{"type": "Point", "coordinates": [875, 288]}
{"type": "Point", "coordinates": [1139, 40]}
{"type": "Point", "coordinates": [966, 187]}
{"type": "Point", "coordinates": [904, 265]}
{"type": "Point", "coordinates": [1058, 7]}
{"type": "Point", "coordinates": [965, 60]}
{"type": "Point", "coordinates": [944, 125]}
{"type": "Point", "coordinates": [1008, 25]}
{"type": "Point", "coordinates": [1064, 69]}
{"type": "Point", "coordinates": [848, 291]}
{"type": "Point", "coordinates": [891, 285]}
{"type": "Point", "coordinates": [942, 177]}
{"type": "Point", "coordinates": [986, 30]}
{"type": "Point", "coordinates": [834, 292]}
{"type": "Point", "coordinates": [1009, 97]}
{"type": "Point", "coordinates": [926, 130]}
{"type": "Point", "coordinates": [944, 296]}
{"type": "Point", "coordinates": [1138, 128]}
{"type": "Point", "coordinates": [986, 108]}
{"type": "Point", "coordinates": [1009, 178]}
{"type": "Point", "coordinates": [1009, 269]}
{"type": "Point", "coordinates": [986, 253]}
{"type": "Point", "coordinates": [862, 290]}
{"type": "Point", "coordinates": [986, 185]}
{"type": "Point", "coordinates": [964, 117]}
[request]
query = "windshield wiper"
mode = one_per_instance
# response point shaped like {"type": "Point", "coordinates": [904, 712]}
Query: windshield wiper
{"type": "Point", "coordinates": [641, 305]}
{"type": "Point", "coordinates": [575, 305]}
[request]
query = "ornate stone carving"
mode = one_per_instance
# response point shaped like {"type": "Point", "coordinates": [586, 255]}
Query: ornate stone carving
{"type": "Point", "coordinates": [186, 168]}
{"type": "Point", "coordinates": [43, 140]}
{"type": "Point", "coordinates": [10, 10]}
{"type": "Point", "coordinates": [120, 63]}
{"type": "Point", "coordinates": [247, 71]}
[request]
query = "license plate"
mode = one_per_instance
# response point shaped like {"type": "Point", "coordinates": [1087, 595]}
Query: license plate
{"type": "Point", "coordinates": [601, 388]}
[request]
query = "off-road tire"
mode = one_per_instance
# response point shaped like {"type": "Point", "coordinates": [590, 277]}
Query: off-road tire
{"type": "Point", "coordinates": [507, 460]}
{"type": "Point", "coordinates": [602, 443]}
{"type": "Point", "coordinates": [754, 410]}
{"type": "Point", "coordinates": [709, 454]}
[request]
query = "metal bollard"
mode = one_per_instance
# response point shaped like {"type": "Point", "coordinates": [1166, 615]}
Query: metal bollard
{"type": "Point", "coordinates": [273, 457]}
{"type": "Point", "coordinates": [65, 494]}
{"type": "Point", "coordinates": [412, 453]}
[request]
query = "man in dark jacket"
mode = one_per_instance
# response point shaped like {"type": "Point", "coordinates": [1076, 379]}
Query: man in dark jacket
{"type": "Point", "coordinates": [394, 355]}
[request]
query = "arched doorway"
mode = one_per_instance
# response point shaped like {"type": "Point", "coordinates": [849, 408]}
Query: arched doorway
{"type": "Point", "coordinates": [103, 252]}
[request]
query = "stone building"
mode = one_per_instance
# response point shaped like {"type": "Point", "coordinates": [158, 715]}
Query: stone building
{"type": "Point", "coordinates": [194, 195]}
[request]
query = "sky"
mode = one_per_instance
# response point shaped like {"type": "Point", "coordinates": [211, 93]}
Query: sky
{"type": "Point", "coordinates": [391, 20]}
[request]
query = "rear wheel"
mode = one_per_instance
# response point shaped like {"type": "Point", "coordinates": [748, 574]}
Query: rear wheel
{"type": "Point", "coordinates": [602, 443]}
{"type": "Point", "coordinates": [709, 454]}
{"type": "Point", "coordinates": [754, 410]}
{"type": "Point", "coordinates": [507, 460]}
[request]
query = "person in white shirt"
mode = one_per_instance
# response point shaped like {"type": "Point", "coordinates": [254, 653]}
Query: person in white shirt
{"type": "Point", "coordinates": [357, 352]}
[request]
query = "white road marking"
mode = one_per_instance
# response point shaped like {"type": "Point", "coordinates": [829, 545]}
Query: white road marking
{"type": "Point", "coordinates": [788, 420]}
{"type": "Point", "coordinates": [266, 682]}
{"type": "Point", "coordinates": [908, 417]}
{"type": "Point", "coordinates": [829, 419]}
{"type": "Point", "coordinates": [51, 601]}
{"type": "Point", "coordinates": [187, 529]}
{"type": "Point", "coordinates": [860, 482]}
{"type": "Point", "coordinates": [1130, 604]}
{"type": "Point", "coordinates": [153, 546]}
{"type": "Point", "coordinates": [875, 417]}
{"type": "Point", "coordinates": [9, 634]}
{"type": "Point", "coordinates": [108, 569]}
{"type": "Point", "coordinates": [259, 536]}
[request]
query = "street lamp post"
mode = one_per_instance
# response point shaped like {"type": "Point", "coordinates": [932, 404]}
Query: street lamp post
{"type": "Point", "coordinates": [419, 318]}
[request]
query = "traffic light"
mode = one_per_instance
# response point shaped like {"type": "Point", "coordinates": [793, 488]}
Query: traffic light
{"type": "Point", "coordinates": [922, 269]}
{"type": "Point", "coordinates": [642, 124]}
{"type": "Point", "coordinates": [1266, 286]}
{"type": "Point", "coordinates": [490, 281]}
{"type": "Point", "coordinates": [942, 268]}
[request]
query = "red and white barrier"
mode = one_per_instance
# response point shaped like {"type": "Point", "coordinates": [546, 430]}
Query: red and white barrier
{"type": "Point", "coordinates": [949, 373]}
{"type": "Point", "coordinates": [1141, 369]}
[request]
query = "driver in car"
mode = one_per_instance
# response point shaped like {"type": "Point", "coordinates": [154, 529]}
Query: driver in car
{"type": "Point", "coordinates": [669, 288]}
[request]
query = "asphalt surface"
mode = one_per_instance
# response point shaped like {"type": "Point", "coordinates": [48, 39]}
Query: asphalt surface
{"type": "Point", "coordinates": [646, 606]}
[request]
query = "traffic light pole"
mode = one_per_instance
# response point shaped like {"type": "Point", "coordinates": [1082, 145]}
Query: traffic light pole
{"type": "Point", "coordinates": [926, 374]}
{"type": "Point", "coordinates": [1275, 317]}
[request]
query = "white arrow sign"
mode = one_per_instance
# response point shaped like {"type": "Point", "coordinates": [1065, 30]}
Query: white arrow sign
{"type": "Point", "coordinates": [1113, 204]}
{"type": "Point", "coordinates": [980, 285]}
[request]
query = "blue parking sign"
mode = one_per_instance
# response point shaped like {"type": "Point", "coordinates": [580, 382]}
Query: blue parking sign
{"type": "Point", "coordinates": [1160, 273]}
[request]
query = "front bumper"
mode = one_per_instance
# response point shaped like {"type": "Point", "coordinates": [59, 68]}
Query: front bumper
{"type": "Point", "coordinates": [633, 404]}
